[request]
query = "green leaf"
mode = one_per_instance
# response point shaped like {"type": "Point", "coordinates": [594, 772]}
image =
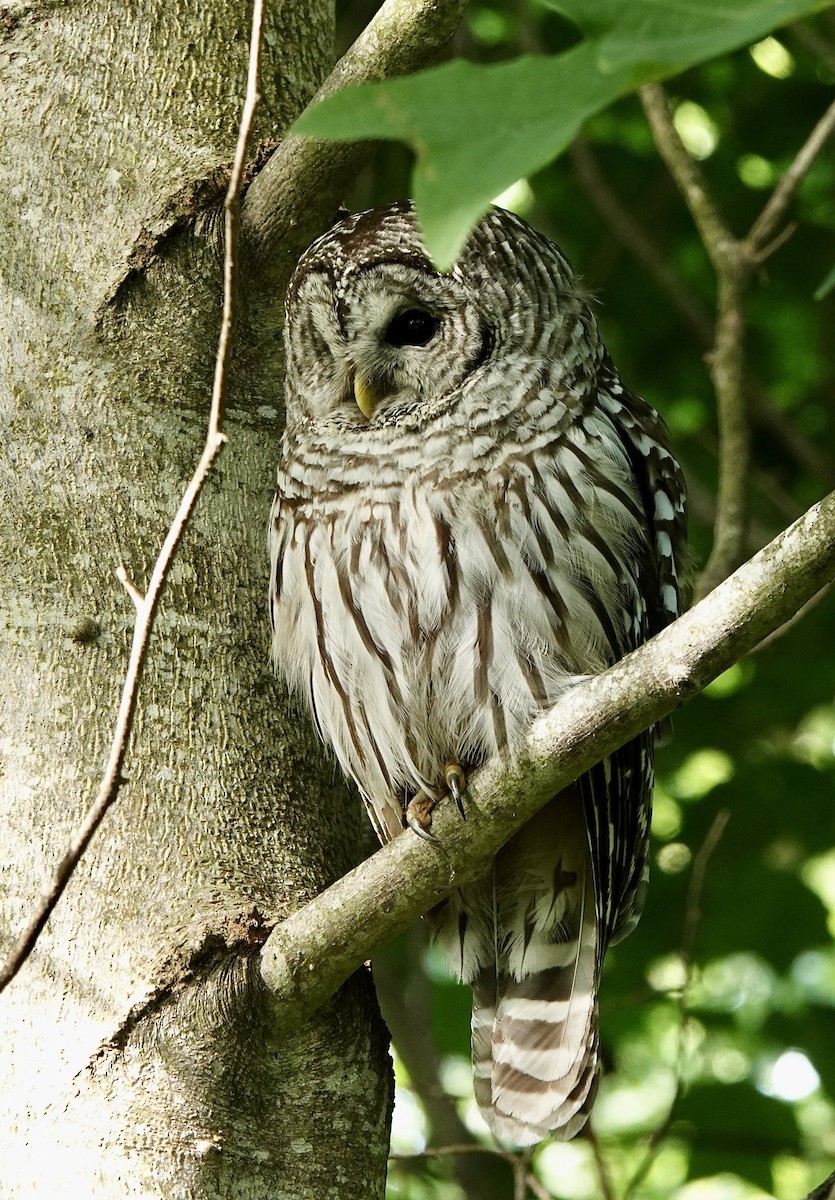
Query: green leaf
{"type": "Point", "coordinates": [825, 287]}
{"type": "Point", "coordinates": [674, 34]}
{"type": "Point", "coordinates": [474, 130]}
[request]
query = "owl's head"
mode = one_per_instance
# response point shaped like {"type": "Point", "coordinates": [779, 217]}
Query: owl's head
{"type": "Point", "coordinates": [374, 334]}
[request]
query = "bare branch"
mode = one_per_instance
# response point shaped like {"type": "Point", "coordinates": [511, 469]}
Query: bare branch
{"type": "Point", "coordinates": [693, 909]}
{"type": "Point", "coordinates": [726, 361]}
{"type": "Point", "coordinates": [519, 1161]}
{"type": "Point", "coordinates": [311, 953]}
{"type": "Point", "coordinates": [732, 265]}
{"type": "Point", "coordinates": [130, 587]}
{"type": "Point", "coordinates": [297, 193]}
{"type": "Point", "coordinates": [765, 228]}
{"type": "Point", "coordinates": [146, 606]}
{"type": "Point", "coordinates": [536, 1189]}
{"type": "Point", "coordinates": [607, 1191]}
{"type": "Point", "coordinates": [453, 1148]}
{"type": "Point", "coordinates": [715, 235]}
{"type": "Point", "coordinates": [734, 261]}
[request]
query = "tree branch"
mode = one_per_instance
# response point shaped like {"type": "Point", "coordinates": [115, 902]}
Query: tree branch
{"type": "Point", "coordinates": [732, 268]}
{"type": "Point", "coordinates": [636, 239]}
{"type": "Point", "coordinates": [147, 605]}
{"type": "Point", "coordinates": [297, 193]}
{"type": "Point", "coordinates": [734, 261]}
{"type": "Point", "coordinates": [766, 225]}
{"type": "Point", "coordinates": [308, 956]}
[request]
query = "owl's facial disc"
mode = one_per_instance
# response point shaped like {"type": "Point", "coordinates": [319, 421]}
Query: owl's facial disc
{"type": "Point", "coordinates": [380, 344]}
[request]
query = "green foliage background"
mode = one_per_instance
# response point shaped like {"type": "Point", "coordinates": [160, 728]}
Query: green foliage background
{"type": "Point", "coordinates": [699, 1098]}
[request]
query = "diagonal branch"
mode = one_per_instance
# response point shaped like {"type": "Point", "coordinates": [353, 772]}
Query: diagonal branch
{"type": "Point", "coordinates": [308, 956]}
{"type": "Point", "coordinates": [765, 228]}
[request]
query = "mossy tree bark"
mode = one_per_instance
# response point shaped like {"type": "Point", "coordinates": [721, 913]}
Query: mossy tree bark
{"type": "Point", "coordinates": [139, 1055]}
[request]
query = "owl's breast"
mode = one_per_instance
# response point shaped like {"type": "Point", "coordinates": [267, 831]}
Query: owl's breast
{"type": "Point", "coordinates": [434, 615]}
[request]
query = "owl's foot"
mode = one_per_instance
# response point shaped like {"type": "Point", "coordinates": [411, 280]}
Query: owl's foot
{"type": "Point", "coordinates": [419, 809]}
{"type": "Point", "coordinates": [456, 781]}
{"type": "Point", "coordinates": [419, 816]}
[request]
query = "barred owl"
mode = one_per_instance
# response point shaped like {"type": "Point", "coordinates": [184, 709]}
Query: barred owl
{"type": "Point", "coordinates": [474, 514]}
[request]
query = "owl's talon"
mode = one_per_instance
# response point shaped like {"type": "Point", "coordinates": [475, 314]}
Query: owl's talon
{"type": "Point", "coordinates": [419, 817]}
{"type": "Point", "coordinates": [456, 781]}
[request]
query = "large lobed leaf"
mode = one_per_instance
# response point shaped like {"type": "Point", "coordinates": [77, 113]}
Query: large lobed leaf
{"type": "Point", "coordinates": [475, 130]}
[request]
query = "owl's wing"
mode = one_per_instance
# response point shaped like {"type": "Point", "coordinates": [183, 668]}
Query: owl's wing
{"type": "Point", "coordinates": [617, 792]}
{"type": "Point", "coordinates": [645, 438]}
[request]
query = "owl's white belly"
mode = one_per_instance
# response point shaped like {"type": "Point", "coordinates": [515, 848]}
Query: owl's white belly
{"type": "Point", "coordinates": [435, 625]}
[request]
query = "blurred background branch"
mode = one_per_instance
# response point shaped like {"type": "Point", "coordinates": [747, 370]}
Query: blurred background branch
{"type": "Point", "coordinates": [734, 261]}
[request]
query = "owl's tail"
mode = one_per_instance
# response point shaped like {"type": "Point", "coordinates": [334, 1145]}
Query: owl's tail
{"type": "Point", "coordinates": [535, 1040]}
{"type": "Point", "coordinates": [526, 939]}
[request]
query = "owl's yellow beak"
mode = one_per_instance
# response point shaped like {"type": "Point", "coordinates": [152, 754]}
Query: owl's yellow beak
{"type": "Point", "coordinates": [366, 396]}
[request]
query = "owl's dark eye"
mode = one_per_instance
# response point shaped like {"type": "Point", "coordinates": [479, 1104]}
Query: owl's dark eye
{"type": "Point", "coordinates": [414, 327]}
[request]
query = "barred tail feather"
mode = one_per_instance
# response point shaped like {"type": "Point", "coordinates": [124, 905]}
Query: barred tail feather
{"type": "Point", "coordinates": [535, 1041]}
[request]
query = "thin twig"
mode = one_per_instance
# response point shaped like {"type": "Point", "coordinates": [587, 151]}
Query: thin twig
{"type": "Point", "coordinates": [692, 920]}
{"type": "Point", "coordinates": [130, 587]}
{"type": "Point", "coordinates": [455, 1148]}
{"type": "Point", "coordinates": [539, 1191]}
{"type": "Point", "coordinates": [147, 605]}
{"type": "Point", "coordinates": [688, 176]}
{"type": "Point", "coordinates": [523, 1178]}
{"type": "Point", "coordinates": [726, 357]}
{"type": "Point", "coordinates": [764, 229]}
{"type": "Point", "coordinates": [693, 910]}
{"type": "Point", "coordinates": [520, 1180]}
{"type": "Point", "coordinates": [734, 261]}
{"type": "Point", "coordinates": [607, 1190]}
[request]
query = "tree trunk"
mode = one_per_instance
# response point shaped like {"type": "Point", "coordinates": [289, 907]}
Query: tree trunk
{"type": "Point", "coordinates": [139, 1055]}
